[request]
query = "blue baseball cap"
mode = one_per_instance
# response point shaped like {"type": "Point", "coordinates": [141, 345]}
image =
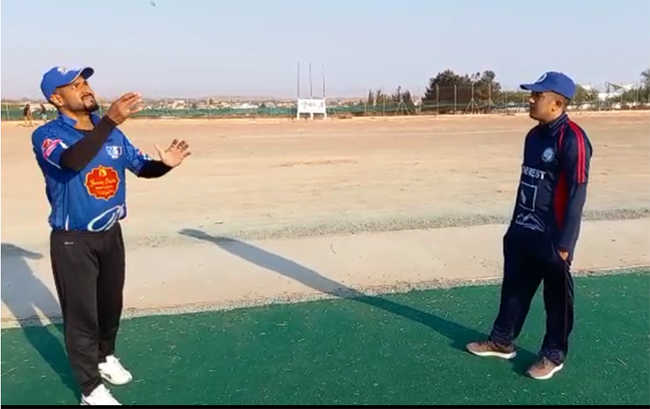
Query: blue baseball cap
{"type": "Point", "coordinates": [60, 76]}
{"type": "Point", "coordinates": [554, 82]}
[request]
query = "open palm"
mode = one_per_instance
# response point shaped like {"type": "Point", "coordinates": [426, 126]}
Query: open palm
{"type": "Point", "coordinates": [174, 155]}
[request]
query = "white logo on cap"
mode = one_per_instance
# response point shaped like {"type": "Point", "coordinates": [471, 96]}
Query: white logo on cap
{"type": "Point", "coordinates": [541, 79]}
{"type": "Point", "coordinates": [62, 70]}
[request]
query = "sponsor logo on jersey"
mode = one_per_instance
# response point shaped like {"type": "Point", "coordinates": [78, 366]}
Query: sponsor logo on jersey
{"type": "Point", "coordinates": [533, 173]}
{"type": "Point", "coordinates": [102, 182]}
{"type": "Point", "coordinates": [529, 221]}
{"type": "Point", "coordinates": [107, 219]}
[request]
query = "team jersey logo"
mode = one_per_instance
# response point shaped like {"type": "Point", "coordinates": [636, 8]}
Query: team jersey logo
{"type": "Point", "coordinates": [114, 151]}
{"type": "Point", "coordinates": [102, 182]}
{"type": "Point", "coordinates": [548, 155]}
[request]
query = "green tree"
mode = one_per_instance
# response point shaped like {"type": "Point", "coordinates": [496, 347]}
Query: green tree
{"type": "Point", "coordinates": [643, 93]}
{"type": "Point", "coordinates": [584, 96]}
{"type": "Point", "coordinates": [448, 90]}
{"type": "Point", "coordinates": [487, 89]}
{"type": "Point", "coordinates": [517, 98]}
{"type": "Point", "coordinates": [381, 98]}
{"type": "Point", "coordinates": [408, 101]}
{"type": "Point", "coordinates": [645, 78]}
{"type": "Point", "coordinates": [406, 98]}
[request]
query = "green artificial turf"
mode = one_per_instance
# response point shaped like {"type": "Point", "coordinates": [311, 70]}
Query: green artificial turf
{"type": "Point", "coordinates": [394, 349]}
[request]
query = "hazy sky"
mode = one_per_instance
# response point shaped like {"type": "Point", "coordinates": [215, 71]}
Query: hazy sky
{"type": "Point", "coordinates": [251, 47]}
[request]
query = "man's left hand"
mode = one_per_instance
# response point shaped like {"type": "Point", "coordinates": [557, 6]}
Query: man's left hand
{"type": "Point", "coordinates": [175, 154]}
{"type": "Point", "coordinates": [564, 255]}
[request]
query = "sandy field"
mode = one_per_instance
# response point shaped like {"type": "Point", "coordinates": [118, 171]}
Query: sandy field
{"type": "Point", "coordinates": [278, 209]}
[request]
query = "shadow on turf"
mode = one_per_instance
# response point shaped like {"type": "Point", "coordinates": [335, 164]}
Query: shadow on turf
{"type": "Point", "coordinates": [457, 333]}
{"type": "Point", "coordinates": [24, 294]}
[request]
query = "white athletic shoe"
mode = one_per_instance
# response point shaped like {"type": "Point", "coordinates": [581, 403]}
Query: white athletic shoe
{"type": "Point", "coordinates": [113, 371]}
{"type": "Point", "coordinates": [100, 397]}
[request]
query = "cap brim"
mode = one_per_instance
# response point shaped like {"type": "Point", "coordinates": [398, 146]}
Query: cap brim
{"type": "Point", "coordinates": [534, 87]}
{"type": "Point", "coordinates": [85, 72]}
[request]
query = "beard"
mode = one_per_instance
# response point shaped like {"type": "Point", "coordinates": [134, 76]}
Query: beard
{"type": "Point", "coordinates": [90, 104]}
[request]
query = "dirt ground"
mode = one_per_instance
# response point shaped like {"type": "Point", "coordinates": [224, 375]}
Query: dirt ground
{"type": "Point", "coordinates": [293, 177]}
{"type": "Point", "coordinates": [273, 173]}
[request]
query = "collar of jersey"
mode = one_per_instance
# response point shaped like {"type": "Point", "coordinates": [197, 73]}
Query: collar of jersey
{"type": "Point", "coordinates": [553, 126]}
{"type": "Point", "coordinates": [71, 122]}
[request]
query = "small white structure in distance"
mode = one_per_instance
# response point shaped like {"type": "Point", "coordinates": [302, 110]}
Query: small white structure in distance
{"type": "Point", "coordinates": [311, 106]}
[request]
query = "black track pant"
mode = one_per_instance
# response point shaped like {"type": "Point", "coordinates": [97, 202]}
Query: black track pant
{"type": "Point", "coordinates": [529, 260]}
{"type": "Point", "coordinates": [89, 276]}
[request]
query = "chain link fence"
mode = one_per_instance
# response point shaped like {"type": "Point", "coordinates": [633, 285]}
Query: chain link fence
{"type": "Point", "coordinates": [438, 101]}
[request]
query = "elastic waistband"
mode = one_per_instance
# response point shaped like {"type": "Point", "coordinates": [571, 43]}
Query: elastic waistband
{"type": "Point", "coordinates": [114, 228]}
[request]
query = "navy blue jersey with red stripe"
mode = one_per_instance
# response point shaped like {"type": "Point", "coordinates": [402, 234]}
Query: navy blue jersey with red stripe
{"type": "Point", "coordinates": [553, 184]}
{"type": "Point", "coordinates": [94, 198]}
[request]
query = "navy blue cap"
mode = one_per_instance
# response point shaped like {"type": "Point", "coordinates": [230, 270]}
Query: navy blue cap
{"type": "Point", "coordinates": [554, 82]}
{"type": "Point", "coordinates": [60, 76]}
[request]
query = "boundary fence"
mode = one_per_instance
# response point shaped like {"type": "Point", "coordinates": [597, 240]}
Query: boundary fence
{"type": "Point", "coordinates": [444, 101]}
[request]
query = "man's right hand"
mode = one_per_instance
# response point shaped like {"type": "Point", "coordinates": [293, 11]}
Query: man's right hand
{"type": "Point", "coordinates": [124, 107]}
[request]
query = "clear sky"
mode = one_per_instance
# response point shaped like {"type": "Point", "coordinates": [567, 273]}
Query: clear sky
{"type": "Point", "coordinates": [251, 47]}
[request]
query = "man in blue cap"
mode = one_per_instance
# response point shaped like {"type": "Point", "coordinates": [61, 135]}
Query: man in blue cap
{"type": "Point", "coordinates": [84, 160]}
{"type": "Point", "coordinates": [540, 241]}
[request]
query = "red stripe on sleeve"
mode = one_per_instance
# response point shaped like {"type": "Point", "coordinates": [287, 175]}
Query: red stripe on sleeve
{"type": "Point", "coordinates": [561, 191]}
{"type": "Point", "coordinates": [559, 145]}
{"type": "Point", "coordinates": [581, 177]}
{"type": "Point", "coordinates": [560, 200]}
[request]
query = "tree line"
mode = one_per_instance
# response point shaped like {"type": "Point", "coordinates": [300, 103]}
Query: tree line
{"type": "Point", "coordinates": [448, 91]}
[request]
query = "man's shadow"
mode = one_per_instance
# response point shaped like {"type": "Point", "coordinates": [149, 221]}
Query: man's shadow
{"type": "Point", "coordinates": [457, 333]}
{"type": "Point", "coordinates": [24, 294]}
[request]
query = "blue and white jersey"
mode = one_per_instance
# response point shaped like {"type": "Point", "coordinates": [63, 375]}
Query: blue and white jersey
{"type": "Point", "coordinates": [94, 198]}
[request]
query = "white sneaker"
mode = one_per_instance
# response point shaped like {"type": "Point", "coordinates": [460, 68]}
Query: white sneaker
{"type": "Point", "coordinates": [113, 371]}
{"type": "Point", "coordinates": [100, 397]}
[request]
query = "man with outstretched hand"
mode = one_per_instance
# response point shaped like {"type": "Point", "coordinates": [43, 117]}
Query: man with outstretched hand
{"type": "Point", "coordinates": [84, 160]}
